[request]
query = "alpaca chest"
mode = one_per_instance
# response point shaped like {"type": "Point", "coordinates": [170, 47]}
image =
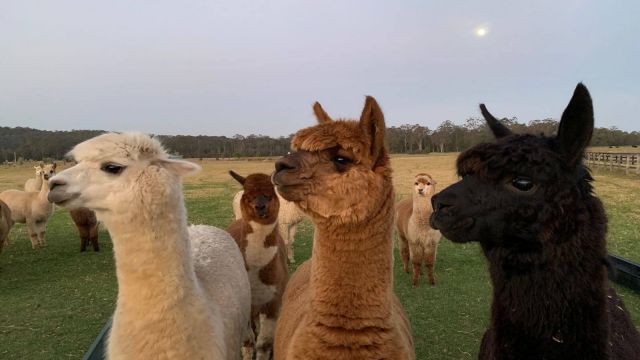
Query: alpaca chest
{"type": "Point", "coordinates": [258, 256]}
{"type": "Point", "coordinates": [420, 231]}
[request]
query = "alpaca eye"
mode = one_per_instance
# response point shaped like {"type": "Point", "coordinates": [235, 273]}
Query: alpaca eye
{"type": "Point", "coordinates": [416, 184]}
{"type": "Point", "coordinates": [112, 168]}
{"type": "Point", "coordinates": [522, 184]}
{"type": "Point", "coordinates": [341, 162]}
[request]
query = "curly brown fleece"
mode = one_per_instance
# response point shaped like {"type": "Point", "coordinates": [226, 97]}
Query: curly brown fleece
{"type": "Point", "coordinates": [340, 304]}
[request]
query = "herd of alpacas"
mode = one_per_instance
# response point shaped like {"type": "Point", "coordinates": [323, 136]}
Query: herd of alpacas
{"type": "Point", "coordinates": [200, 292]}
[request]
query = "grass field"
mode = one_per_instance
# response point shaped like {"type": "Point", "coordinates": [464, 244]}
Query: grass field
{"type": "Point", "coordinates": [54, 301]}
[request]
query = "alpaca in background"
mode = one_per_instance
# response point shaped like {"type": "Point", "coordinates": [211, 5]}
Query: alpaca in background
{"type": "Point", "coordinates": [35, 184]}
{"type": "Point", "coordinates": [289, 217]}
{"type": "Point", "coordinates": [31, 208]}
{"type": "Point", "coordinates": [417, 241]}
{"type": "Point", "coordinates": [264, 255]}
{"type": "Point", "coordinates": [5, 224]}
{"type": "Point", "coordinates": [87, 224]}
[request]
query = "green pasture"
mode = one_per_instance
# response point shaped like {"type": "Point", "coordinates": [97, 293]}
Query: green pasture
{"type": "Point", "coordinates": [54, 301]}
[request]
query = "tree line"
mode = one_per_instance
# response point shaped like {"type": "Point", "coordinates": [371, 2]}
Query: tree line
{"type": "Point", "coordinates": [22, 143]}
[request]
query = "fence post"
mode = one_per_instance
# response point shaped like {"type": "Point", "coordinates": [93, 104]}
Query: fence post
{"type": "Point", "coordinates": [628, 163]}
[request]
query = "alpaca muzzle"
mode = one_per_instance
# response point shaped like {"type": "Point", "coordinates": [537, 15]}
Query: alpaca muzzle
{"type": "Point", "coordinates": [57, 193]}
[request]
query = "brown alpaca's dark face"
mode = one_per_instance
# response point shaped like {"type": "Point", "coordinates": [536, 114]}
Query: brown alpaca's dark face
{"type": "Point", "coordinates": [339, 169]}
{"type": "Point", "coordinates": [259, 201]}
{"type": "Point", "coordinates": [523, 191]}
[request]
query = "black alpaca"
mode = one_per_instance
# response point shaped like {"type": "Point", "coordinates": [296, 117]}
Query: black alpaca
{"type": "Point", "coordinates": [528, 200]}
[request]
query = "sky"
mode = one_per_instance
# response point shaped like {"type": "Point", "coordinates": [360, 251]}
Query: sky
{"type": "Point", "coordinates": [256, 67]}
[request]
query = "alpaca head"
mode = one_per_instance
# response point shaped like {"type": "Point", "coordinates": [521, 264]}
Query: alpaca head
{"type": "Point", "coordinates": [119, 173]}
{"type": "Point", "coordinates": [259, 201]}
{"type": "Point", "coordinates": [48, 170]}
{"type": "Point", "coordinates": [424, 185]}
{"type": "Point", "coordinates": [522, 192]}
{"type": "Point", "coordinates": [38, 169]}
{"type": "Point", "coordinates": [339, 169]}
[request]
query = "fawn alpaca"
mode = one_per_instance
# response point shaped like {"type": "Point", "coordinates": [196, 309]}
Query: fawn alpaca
{"type": "Point", "coordinates": [31, 208]}
{"type": "Point", "coordinates": [183, 292]}
{"type": "Point", "coordinates": [417, 241]}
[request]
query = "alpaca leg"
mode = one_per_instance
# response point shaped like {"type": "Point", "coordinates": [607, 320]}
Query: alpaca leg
{"type": "Point", "coordinates": [96, 245]}
{"type": "Point", "coordinates": [93, 237]}
{"type": "Point", "coordinates": [432, 279]}
{"type": "Point", "coordinates": [247, 350]}
{"type": "Point", "coordinates": [249, 343]}
{"type": "Point", "coordinates": [290, 237]}
{"type": "Point", "coordinates": [42, 229]}
{"type": "Point", "coordinates": [84, 238]}
{"type": "Point", "coordinates": [264, 343]}
{"type": "Point", "coordinates": [417, 271]}
{"type": "Point", "coordinates": [404, 252]}
{"type": "Point", "coordinates": [431, 262]}
{"type": "Point", "coordinates": [33, 234]}
{"type": "Point", "coordinates": [41, 238]}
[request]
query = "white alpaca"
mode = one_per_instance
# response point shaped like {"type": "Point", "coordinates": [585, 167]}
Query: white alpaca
{"type": "Point", "coordinates": [183, 292]}
{"type": "Point", "coordinates": [32, 208]}
{"type": "Point", "coordinates": [34, 184]}
{"type": "Point", "coordinates": [289, 217]}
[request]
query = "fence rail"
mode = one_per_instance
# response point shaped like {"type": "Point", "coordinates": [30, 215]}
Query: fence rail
{"type": "Point", "coordinates": [630, 162]}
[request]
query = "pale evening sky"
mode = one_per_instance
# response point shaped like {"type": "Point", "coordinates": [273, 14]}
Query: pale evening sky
{"type": "Point", "coordinates": [243, 67]}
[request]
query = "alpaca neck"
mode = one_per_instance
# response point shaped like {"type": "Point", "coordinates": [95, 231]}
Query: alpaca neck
{"type": "Point", "coordinates": [152, 250]}
{"type": "Point", "coordinates": [351, 271]}
{"type": "Point", "coordinates": [551, 304]}
{"type": "Point", "coordinates": [39, 181]}
{"type": "Point", "coordinates": [44, 188]}
{"type": "Point", "coordinates": [422, 209]}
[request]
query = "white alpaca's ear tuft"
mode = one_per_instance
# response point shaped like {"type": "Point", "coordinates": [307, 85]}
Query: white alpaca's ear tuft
{"type": "Point", "coordinates": [180, 167]}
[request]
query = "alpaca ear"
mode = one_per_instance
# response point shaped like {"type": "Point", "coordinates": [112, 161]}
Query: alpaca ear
{"type": "Point", "coordinates": [179, 167]}
{"type": "Point", "coordinates": [321, 115]}
{"type": "Point", "coordinates": [576, 125]}
{"type": "Point", "coordinates": [498, 130]}
{"type": "Point", "coordinates": [55, 165]}
{"type": "Point", "coordinates": [372, 124]}
{"type": "Point", "coordinates": [238, 178]}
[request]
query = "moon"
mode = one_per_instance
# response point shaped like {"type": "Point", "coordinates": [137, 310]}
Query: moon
{"type": "Point", "coordinates": [481, 31]}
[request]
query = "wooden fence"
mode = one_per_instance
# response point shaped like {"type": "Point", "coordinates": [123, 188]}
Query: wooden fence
{"type": "Point", "coordinates": [604, 160]}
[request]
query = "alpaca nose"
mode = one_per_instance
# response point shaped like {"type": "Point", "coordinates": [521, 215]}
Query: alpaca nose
{"type": "Point", "coordinates": [441, 202]}
{"type": "Point", "coordinates": [55, 182]}
{"type": "Point", "coordinates": [287, 162]}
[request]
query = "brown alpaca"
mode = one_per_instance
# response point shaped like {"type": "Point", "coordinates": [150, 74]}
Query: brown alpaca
{"type": "Point", "coordinates": [264, 255]}
{"type": "Point", "coordinates": [418, 242]}
{"type": "Point", "coordinates": [87, 225]}
{"type": "Point", "coordinates": [5, 224]}
{"type": "Point", "coordinates": [340, 304]}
